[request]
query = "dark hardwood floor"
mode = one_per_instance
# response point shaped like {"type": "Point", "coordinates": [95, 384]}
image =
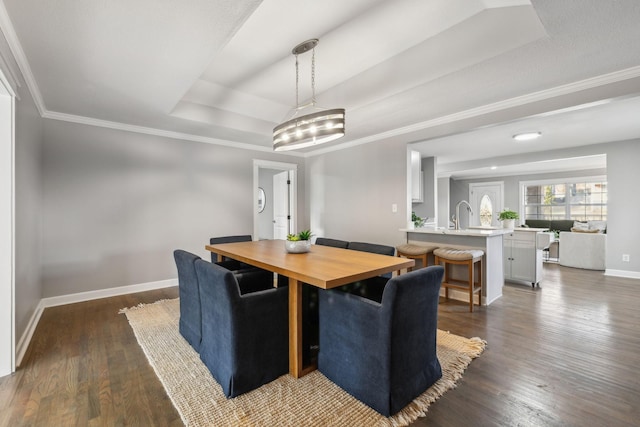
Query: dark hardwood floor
{"type": "Point", "coordinates": [84, 367]}
{"type": "Point", "coordinates": [564, 354]}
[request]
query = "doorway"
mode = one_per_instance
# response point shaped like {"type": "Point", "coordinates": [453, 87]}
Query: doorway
{"type": "Point", "coordinates": [487, 200]}
{"type": "Point", "coordinates": [281, 207]}
{"type": "Point", "coordinates": [7, 228]}
{"type": "Point", "coordinates": [275, 213]}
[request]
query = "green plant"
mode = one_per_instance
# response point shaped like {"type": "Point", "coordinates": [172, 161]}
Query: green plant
{"type": "Point", "coordinates": [303, 235]}
{"type": "Point", "coordinates": [507, 214]}
{"type": "Point", "coordinates": [417, 221]}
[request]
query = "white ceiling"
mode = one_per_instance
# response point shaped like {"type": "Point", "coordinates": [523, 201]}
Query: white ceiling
{"type": "Point", "coordinates": [221, 71]}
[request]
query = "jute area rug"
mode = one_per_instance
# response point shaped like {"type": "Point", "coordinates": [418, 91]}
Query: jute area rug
{"type": "Point", "coordinates": [309, 401]}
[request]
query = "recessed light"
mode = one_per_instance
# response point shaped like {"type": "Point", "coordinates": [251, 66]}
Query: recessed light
{"type": "Point", "coordinates": [494, 168]}
{"type": "Point", "coordinates": [527, 136]}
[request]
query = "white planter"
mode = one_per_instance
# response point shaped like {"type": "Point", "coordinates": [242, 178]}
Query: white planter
{"type": "Point", "coordinates": [297, 246]}
{"type": "Point", "coordinates": [509, 223]}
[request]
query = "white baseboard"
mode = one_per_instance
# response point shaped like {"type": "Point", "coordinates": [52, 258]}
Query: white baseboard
{"type": "Point", "coordinates": [106, 293]}
{"type": "Point", "coordinates": [622, 273]}
{"type": "Point", "coordinates": [25, 339]}
{"type": "Point", "coordinates": [23, 344]}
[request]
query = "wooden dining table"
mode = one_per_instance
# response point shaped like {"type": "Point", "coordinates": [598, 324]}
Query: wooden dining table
{"type": "Point", "coordinates": [323, 266]}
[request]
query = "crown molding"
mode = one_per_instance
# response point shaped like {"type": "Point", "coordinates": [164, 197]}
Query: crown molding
{"type": "Point", "coordinates": [16, 49]}
{"type": "Point", "coordinates": [9, 75]}
{"type": "Point", "coordinates": [543, 95]}
{"type": "Point", "coordinates": [20, 58]}
{"type": "Point", "coordinates": [151, 131]}
{"type": "Point", "coordinates": [591, 83]}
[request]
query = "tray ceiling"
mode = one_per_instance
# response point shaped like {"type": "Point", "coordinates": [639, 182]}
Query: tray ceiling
{"type": "Point", "coordinates": [222, 71]}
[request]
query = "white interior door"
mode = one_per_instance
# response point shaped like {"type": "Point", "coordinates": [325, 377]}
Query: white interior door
{"type": "Point", "coordinates": [288, 196]}
{"type": "Point", "coordinates": [487, 200]}
{"type": "Point", "coordinates": [281, 215]}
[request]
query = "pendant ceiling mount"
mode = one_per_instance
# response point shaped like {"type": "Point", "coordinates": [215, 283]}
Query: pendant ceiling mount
{"type": "Point", "coordinates": [305, 47]}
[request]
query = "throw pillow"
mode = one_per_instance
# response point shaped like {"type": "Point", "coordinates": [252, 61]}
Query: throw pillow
{"type": "Point", "coordinates": [579, 230]}
{"type": "Point", "coordinates": [580, 225]}
{"type": "Point", "coordinates": [601, 226]}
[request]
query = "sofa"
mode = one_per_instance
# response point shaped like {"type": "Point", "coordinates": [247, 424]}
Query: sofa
{"type": "Point", "coordinates": [580, 244]}
{"type": "Point", "coordinates": [583, 250]}
{"type": "Point", "coordinates": [553, 225]}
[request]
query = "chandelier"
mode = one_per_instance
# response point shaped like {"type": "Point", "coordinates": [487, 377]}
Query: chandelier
{"type": "Point", "coordinates": [317, 126]}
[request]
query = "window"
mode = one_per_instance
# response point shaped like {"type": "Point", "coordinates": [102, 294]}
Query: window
{"type": "Point", "coordinates": [486, 211]}
{"type": "Point", "coordinates": [578, 199]}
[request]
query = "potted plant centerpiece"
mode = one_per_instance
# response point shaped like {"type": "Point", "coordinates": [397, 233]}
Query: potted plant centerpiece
{"type": "Point", "coordinates": [508, 218]}
{"type": "Point", "coordinates": [298, 243]}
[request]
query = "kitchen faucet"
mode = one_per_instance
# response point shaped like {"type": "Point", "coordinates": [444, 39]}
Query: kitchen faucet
{"type": "Point", "coordinates": [457, 221]}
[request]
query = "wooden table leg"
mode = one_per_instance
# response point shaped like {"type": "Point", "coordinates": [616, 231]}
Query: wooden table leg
{"type": "Point", "coordinates": [295, 328]}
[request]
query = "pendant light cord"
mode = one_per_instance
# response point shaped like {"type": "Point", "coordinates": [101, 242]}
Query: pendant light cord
{"type": "Point", "coordinates": [313, 79]}
{"type": "Point", "coordinates": [313, 76]}
{"type": "Point", "coordinates": [297, 103]}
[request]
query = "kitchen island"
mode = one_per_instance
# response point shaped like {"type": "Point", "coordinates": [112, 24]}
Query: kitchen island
{"type": "Point", "coordinates": [490, 240]}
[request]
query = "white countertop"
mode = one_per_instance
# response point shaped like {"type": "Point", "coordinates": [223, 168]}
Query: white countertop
{"type": "Point", "coordinates": [473, 232]}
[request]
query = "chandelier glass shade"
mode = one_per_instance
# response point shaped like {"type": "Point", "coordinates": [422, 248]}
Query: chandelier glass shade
{"type": "Point", "coordinates": [318, 125]}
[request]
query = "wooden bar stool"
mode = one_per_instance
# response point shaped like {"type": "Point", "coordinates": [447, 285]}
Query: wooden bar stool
{"type": "Point", "coordinates": [415, 252]}
{"type": "Point", "coordinates": [468, 257]}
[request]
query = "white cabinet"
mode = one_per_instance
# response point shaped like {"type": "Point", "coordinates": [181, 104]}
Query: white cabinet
{"type": "Point", "coordinates": [417, 191]}
{"type": "Point", "coordinates": [522, 256]}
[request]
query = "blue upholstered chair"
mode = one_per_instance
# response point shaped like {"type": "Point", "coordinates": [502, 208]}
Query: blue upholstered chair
{"type": "Point", "coordinates": [240, 269]}
{"type": "Point", "coordinates": [190, 323]}
{"type": "Point", "coordinates": [373, 287]}
{"type": "Point", "coordinates": [310, 308]}
{"type": "Point", "coordinates": [244, 336]}
{"type": "Point", "coordinates": [383, 354]}
{"type": "Point", "coordinates": [324, 241]}
{"type": "Point", "coordinates": [374, 249]}
{"type": "Point", "coordinates": [249, 280]}
{"type": "Point", "coordinates": [227, 263]}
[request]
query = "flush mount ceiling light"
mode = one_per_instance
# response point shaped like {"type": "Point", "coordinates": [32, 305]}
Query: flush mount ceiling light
{"type": "Point", "coordinates": [317, 126]}
{"type": "Point", "coordinates": [527, 136]}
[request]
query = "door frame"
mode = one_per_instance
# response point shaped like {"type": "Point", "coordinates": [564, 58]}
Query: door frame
{"type": "Point", "coordinates": [7, 228]}
{"type": "Point", "coordinates": [280, 192]}
{"type": "Point", "coordinates": [293, 191]}
{"type": "Point", "coordinates": [474, 185]}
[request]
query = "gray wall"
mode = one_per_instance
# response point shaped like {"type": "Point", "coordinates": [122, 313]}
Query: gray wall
{"type": "Point", "coordinates": [444, 193]}
{"type": "Point", "coordinates": [351, 192]}
{"type": "Point", "coordinates": [623, 175]}
{"type": "Point", "coordinates": [116, 204]}
{"type": "Point", "coordinates": [623, 231]}
{"type": "Point", "coordinates": [427, 209]}
{"type": "Point", "coordinates": [98, 208]}
{"type": "Point", "coordinates": [28, 210]}
{"type": "Point", "coordinates": [460, 188]}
